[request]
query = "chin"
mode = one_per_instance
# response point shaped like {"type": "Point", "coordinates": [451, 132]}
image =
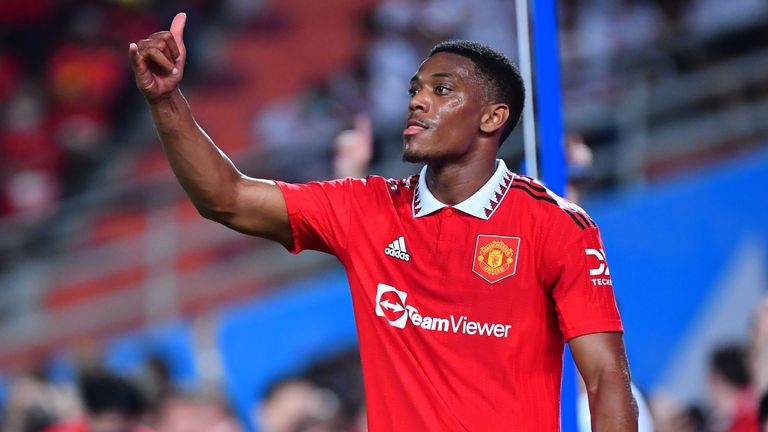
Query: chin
{"type": "Point", "coordinates": [415, 150]}
{"type": "Point", "coordinates": [424, 158]}
{"type": "Point", "coordinates": [413, 155]}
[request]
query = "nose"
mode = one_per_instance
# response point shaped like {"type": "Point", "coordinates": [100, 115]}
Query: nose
{"type": "Point", "coordinates": [418, 102]}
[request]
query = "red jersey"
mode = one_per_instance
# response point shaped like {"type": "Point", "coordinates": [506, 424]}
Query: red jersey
{"type": "Point", "coordinates": [462, 311]}
{"type": "Point", "coordinates": [81, 426]}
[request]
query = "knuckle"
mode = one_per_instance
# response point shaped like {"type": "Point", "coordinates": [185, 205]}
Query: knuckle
{"type": "Point", "coordinates": [156, 54]}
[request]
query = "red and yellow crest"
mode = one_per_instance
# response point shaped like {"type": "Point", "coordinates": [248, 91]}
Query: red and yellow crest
{"type": "Point", "coordinates": [495, 257]}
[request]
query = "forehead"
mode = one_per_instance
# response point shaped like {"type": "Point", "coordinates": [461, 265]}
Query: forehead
{"type": "Point", "coordinates": [446, 63]}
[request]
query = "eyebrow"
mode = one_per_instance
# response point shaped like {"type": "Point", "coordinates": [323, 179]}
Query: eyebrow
{"type": "Point", "coordinates": [434, 75]}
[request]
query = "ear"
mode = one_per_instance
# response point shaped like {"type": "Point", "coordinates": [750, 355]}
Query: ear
{"type": "Point", "coordinates": [493, 118]}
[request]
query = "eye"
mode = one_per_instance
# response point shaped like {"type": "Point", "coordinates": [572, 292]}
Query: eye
{"type": "Point", "coordinates": [412, 91]}
{"type": "Point", "coordinates": [441, 89]}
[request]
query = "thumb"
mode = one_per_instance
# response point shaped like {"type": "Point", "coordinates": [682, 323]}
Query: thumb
{"type": "Point", "coordinates": [363, 124]}
{"type": "Point", "coordinates": [177, 30]}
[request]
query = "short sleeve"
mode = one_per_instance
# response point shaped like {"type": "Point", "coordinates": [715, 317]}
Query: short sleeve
{"type": "Point", "coordinates": [320, 213]}
{"type": "Point", "coordinates": [577, 273]}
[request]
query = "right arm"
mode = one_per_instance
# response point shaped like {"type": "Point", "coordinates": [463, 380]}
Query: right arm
{"type": "Point", "coordinates": [217, 189]}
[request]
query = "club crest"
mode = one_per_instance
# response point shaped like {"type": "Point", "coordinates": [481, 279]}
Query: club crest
{"type": "Point", "coordinates": [495, 257]}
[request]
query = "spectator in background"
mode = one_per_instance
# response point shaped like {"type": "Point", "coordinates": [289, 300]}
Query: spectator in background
{"type": "Point", "coordinates": [84, 75]}
{"type": "Point", "coordinates": [31, 159]}
{"type": "Point", "coordinates": [758, 348]}
{"type": "Point", "coordinates": [669, 415]}
{"type": "Point", "coordinates": [758, 359]}
{"type": "Point", "coordinates": [112, 404]}
{"type": "Point", "coordinates": [763, 413]}
{"type": "Point", "coordinates": [34, 403]}
{"type": "Point", "coordinates": [391, 58]}
{"type": "Point", "coordinates": [579, 158]}
{"type": "Point", "coordinates": [327, 396]}
{"type": "Point", "coordinates": [353, 149]}
{"type": "Point", "coordinates": [734, 406]}
{"type": "Point", "coordinates": [25, 31]}
{"type": "Point", "coordinates": [709, 16]}
{"type": "Point", "coordinates": [195, 413]}
{"type": "Point", "coordinates": [10, 75]}
{"type": "Point", "coordinates": [296, 405]}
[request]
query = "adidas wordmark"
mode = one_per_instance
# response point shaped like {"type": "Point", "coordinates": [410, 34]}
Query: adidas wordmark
{"type": "Point", "coordinates": [396, 249]}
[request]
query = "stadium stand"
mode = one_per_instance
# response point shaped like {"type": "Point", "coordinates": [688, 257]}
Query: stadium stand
{"type": "Point", "coordinates": [98, 239]}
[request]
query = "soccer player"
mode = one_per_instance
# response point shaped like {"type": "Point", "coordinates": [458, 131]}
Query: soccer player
{"type": "Point", "coordinates": [466, 279]}
{"type": "Point", "coordinates": [112, 404]}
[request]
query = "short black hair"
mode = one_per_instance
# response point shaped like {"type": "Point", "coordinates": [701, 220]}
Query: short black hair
{"type": "Point", "coordinates": [730, 361]}
{"type": "Point", "coordinates": [103, 391]}
{"type": "Point", "coordinates": [763, 409]}
{"type": "Point", "coordinates": [505, 84]}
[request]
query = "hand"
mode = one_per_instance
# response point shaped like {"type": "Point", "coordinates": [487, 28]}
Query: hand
{"type": "Point", "coordinates": [158, 62]}
{"type": "Point", "coordinates": [354, 149]}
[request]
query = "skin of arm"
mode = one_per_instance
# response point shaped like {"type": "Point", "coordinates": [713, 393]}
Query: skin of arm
{"type": "Point", "coordinates": [217, 189]}
{"type": "Point", "coordinates": [602, 362]}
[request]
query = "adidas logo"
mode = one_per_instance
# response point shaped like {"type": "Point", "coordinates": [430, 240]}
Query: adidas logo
{"type": "Point", "coordinates": [396, 249]}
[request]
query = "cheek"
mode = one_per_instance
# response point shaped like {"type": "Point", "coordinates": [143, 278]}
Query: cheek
{"type": "Point", "coordinates": [451, 109]}
{"type": "Point", "coordinates": [454, 105]}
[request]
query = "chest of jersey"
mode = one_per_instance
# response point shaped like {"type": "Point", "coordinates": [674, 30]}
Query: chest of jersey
{"type": "Point", "coordinates": [453, 276]}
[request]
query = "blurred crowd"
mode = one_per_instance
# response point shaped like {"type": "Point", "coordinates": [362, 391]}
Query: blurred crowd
{"type": "Point", "coordinates": [603, 40]}
{"type": "Point", "coordinates": [62, 88]}
{"type": "Point", "coordinates": [398, 34]}
{"type": "Point", "coordinates": [640, 77]}
{"type": "Point", "coordinates": [605, 47]}
{"type": "Point", "coordinates": [67, 104]}
{"type": "Point", "coordinates": [737, 388]}
{"type": "Point", "coordinates": [67, 96]}
{"type": "Point", "coordinates": [327, 397]}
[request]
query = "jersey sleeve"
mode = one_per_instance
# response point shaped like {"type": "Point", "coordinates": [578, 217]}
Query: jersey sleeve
{"type": "Point", "coordinates": [577, 273]}
{"type": "Point", "coordinates": [320, 213]}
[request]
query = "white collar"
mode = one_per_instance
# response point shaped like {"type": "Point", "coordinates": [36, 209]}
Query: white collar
{"type": "Point", "coordinates": [482, 204]}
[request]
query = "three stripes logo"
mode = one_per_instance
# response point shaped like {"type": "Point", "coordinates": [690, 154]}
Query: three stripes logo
{"type": "Point", "coordinates": [397, 249]}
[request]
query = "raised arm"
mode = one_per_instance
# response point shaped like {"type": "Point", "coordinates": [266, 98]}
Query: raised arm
{"type": "Point", "coordinates": [602, 362]}
{"type": "Point", "coordinates": [217, 189]}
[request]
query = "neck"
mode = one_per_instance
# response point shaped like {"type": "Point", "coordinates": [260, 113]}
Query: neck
{"type": "Point", "coordinates": [454, 182]}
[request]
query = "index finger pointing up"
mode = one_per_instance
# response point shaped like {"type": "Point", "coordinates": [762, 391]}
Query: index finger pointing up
{"type": "Point", "coordinates": [177, 30]}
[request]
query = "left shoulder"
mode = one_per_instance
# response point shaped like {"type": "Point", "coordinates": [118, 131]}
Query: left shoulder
{"type": "Point", "coordinates": [556, 208]}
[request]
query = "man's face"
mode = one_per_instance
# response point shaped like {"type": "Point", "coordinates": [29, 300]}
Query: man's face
{"type": "Point", "coordinates": [445, 109]}
{"type": "Point", "coordinates": [111, 421]}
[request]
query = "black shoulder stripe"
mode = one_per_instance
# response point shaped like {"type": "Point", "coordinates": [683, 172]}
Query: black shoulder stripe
{"type": "Point", "coordinates": [532, 188]}
{"type": "Point", "coordinates": [579, 218]}
{"type": "Point", "coordinates": [530, 182]}
{"type": "Point", "coordinates": [575, 219]}
{"type": "Point", "coordinates": [583, 218]}
{"type": "Point", "coordinates": [533, 195]}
